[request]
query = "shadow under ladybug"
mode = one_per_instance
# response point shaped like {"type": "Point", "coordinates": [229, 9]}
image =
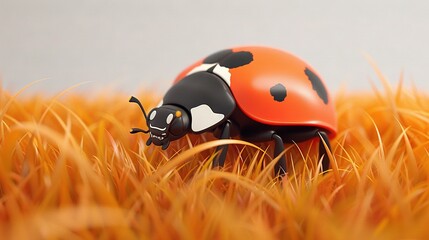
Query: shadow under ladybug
{"type": "Point", "coordinates": [257, 93]}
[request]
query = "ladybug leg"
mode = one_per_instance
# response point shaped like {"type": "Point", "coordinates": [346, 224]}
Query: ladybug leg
{"type": "Point", "coordinates": [322, 150]}
{"type": "Point", "coordinates": [219, 161]}
{"type": "Point", "coordinates": [280, 167]}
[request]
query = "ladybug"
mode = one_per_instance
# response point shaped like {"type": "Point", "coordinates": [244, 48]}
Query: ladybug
{"type": "Point", "coordinates": [257, 93]}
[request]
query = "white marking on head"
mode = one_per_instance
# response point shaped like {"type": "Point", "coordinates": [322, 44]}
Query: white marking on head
{"type": "Point", "coordinates": [169, 118]}
{"type": "Point", "coordinates": [157, 137]}
{"type": "Point", "coordinates": [224, 73]}
{"type": "Point", "coordinates": [157, 128]}
{"type": "Point", "coordinates": [152, 115]}
{"type": "Point", "coordinates": [201, 68]}
{"type": "Point", "coordinates": [203, 117]}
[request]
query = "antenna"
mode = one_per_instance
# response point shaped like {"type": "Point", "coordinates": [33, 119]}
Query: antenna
{"type": "Point", "coordinates": [136, 130]}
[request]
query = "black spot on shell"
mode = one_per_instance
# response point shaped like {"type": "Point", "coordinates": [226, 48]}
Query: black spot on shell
{"type": "Point", "coordinates": [237, 59]}
{"type": "Point", "coordinates": [317, 85]}
{"type": "Point", "coordinates": [279, 92]}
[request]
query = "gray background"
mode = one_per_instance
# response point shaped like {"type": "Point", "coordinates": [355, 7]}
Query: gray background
{"type": "Point", "coordinates": [131, 45]}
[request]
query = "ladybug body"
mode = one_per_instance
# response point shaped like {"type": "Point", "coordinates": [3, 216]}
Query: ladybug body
{"type": "Point", "coordinates": [257, 93]}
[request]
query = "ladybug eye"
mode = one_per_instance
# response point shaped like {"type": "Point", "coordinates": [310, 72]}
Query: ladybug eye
{"type": "Point", "coordinates": [152, 115]}
{"type": "Point", "coordinates": [169, 118]}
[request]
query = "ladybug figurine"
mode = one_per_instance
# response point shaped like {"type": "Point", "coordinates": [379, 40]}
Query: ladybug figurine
{"type": "Point", "coordinates": [257, 93]}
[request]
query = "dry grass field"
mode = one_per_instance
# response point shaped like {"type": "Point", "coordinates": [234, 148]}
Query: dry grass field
{"type": "Point", "coordinates": [69, 169]}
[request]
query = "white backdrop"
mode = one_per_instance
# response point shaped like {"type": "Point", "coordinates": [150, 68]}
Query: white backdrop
{"type": "Point", "coordinates": [129, 45]}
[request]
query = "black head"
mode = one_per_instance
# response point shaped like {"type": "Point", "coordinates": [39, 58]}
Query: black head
{"type": "Point", "coordinates": [165, 123]}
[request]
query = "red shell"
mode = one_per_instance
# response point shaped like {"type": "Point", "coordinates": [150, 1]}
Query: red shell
{"type": "Point", "coordinates": [251, 83]}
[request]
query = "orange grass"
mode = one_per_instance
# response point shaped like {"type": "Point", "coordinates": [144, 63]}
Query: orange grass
{"type": "Point", "coordinates": [70, 170]}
